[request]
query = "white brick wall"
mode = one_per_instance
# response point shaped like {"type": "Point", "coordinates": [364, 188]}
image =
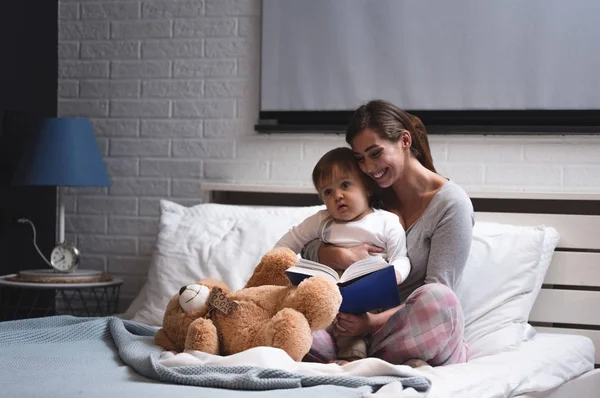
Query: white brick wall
{"type": "Point", "coordinates": [172, 89]}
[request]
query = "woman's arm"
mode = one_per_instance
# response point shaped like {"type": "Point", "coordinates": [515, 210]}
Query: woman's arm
{"type": "Point", "coordinates": [450, 245]}
{"type": "Point", "coordinates": [338, 258]}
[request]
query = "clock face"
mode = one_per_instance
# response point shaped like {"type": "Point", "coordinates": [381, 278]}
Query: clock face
{"type": "Point", "coordinates": [64, 258]}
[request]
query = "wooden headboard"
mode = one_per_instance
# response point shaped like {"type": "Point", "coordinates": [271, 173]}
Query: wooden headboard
{"type": "Point", "coordinates": [569, 301]}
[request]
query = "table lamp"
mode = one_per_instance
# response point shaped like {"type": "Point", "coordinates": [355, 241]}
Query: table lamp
{"type": "Point", "coordinates": [63, 153]}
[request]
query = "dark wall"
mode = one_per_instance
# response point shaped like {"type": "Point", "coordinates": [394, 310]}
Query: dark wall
{"type": "Point", "coordinates": [29, 53]}
{"type": "Point", "coordinates": [28, 92]}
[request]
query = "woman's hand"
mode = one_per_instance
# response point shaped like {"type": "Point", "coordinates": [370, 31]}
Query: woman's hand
{"type": "Point", "coordinates": [359, 325]}
{"type": "Point", "coordinates": [340, 258]}
{"type": "Point", "coordinates": [355, 325]}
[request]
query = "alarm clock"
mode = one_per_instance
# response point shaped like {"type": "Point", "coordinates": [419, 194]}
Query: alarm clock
{"type": "Point", "coordinates": [64, 258]}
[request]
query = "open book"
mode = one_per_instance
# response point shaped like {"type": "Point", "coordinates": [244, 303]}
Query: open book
{"type": "Point", "coordinates": [356, 270]}
{"type": "Point", "coordinates": [366, 285]}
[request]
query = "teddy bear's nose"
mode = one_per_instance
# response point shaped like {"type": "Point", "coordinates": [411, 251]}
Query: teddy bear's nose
{"type": "Point", "coordinates": [182, 290]}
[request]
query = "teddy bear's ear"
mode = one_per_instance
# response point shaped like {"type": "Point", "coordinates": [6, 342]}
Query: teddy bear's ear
{"type": "Point", "coordinates": [210, 283]}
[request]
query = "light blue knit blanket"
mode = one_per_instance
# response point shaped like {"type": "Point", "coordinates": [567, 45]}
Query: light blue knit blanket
{"type": "Point", "coordinates": [66, 356]}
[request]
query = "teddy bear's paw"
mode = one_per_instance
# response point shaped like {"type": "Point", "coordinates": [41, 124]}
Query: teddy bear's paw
{"type": "Point", "coordinates": [318, 299]}
{"type": "Point", "coordinates": [288, 330]}
{"type": "Point", "coordinates": [272, 267]}
{"type": "Point", "coordinates": [202, 336]}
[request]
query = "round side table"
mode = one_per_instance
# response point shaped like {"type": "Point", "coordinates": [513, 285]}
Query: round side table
{"type": "Point", "coordinates": [32, 299]}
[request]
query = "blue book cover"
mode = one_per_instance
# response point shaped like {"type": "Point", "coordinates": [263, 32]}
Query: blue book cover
{"type": "Point", "coordinates": [373, 291]}
{"type": "Point", "coordinates": [296, 278]}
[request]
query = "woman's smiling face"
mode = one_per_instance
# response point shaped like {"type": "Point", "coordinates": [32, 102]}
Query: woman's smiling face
{"type": "Point", "coordinates": [380, 158]}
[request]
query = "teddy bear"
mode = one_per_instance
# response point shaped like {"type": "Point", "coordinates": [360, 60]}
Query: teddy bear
{"type": "Point", "coordinates": [269, 311]}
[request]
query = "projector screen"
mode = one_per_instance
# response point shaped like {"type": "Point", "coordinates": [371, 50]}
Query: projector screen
{"type": "Point", "coordinates": [431, 55]}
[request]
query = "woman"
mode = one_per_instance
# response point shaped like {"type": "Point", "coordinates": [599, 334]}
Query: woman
{"type": "Point", "coordinates": [391, 147]}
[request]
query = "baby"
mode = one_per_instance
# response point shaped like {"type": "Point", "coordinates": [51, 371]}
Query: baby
{"type": "Point", "coordinates": [351, 219]}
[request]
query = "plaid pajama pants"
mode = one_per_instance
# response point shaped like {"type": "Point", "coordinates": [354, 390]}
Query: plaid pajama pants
{"type": "Point", "coordinates": [429, 326]}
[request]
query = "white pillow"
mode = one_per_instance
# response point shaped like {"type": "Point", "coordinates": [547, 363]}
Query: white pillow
{"type": "Point", "coordinates": [502, 278]}
{"type": "Point", "coordinates": [224, 242]}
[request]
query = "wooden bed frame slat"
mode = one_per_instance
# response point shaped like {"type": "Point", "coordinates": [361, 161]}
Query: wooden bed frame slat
{"type": "Point", "coordinates": [576, 231]}
{"type": "Point", "coordinates": [574, 268]}
{"type": "Point", "coordinates": [592, 334]}
{"type": "Point", "coordinates": [567, 306]}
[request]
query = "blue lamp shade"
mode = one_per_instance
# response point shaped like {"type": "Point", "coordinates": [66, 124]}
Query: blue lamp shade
{"type": "Point", "coordinates": [63, 153]}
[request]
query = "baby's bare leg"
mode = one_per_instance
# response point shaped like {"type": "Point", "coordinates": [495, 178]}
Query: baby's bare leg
{"type": "Point", "coordinates": [350, 348]}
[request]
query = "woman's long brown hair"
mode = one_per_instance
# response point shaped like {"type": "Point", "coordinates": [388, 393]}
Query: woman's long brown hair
{"type": "Point", "coordinates": [389, 121]}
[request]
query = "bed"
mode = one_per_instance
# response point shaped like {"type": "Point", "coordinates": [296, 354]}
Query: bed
{"type": "Point", "coordinates": [563, 325]}
{"type": "Point", "coordinates": [532, 331]}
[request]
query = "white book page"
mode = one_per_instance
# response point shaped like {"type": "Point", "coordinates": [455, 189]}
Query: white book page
{"type": "Point", "coordinates": [308, 267]}
{"type": "Point", "coordinates": [363, 267]}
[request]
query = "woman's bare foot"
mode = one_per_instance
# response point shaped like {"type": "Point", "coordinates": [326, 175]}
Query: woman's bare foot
{"type": "Point", "coordinates": [415, 363]}
{"type": "Point", "coordinates": [343, 362]}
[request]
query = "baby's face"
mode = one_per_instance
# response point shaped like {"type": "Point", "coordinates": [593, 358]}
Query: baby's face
{"type": "Point", "coordinates": [345, 196]}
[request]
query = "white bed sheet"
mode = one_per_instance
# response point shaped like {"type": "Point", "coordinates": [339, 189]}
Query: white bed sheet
{"type": "Point", "coordinates": [540, 364]}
